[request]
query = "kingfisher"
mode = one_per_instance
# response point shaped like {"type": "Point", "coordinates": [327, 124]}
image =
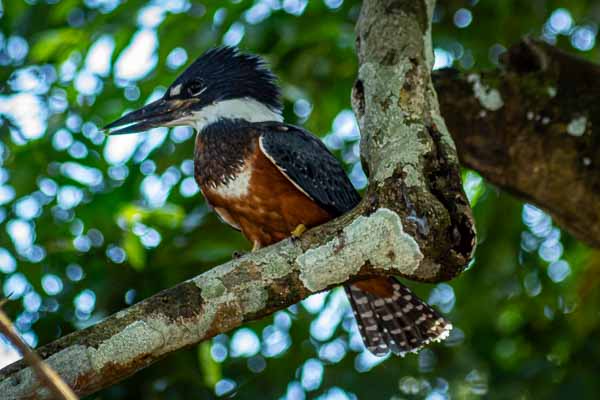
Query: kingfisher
{"type": "Point", "coordinates": [272, 180]}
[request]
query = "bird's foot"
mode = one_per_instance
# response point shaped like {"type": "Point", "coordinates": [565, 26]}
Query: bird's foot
{"type": "Point", "coordinates": [238, 254]}
{"type": "Point", "coordinates": [298, 231]}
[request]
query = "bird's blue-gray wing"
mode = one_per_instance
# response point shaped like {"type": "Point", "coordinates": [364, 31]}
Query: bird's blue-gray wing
{"type": "Point", "coordinates": [309, 165]}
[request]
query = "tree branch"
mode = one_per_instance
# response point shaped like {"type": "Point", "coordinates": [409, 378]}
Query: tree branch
{"type": "Point", "coordinates": [45, 374]}
{"type": "Point", "coordinates": [219, 300]}
{"type": "Point", "coordinates": [414, 222]}
{"type": "Point", "coordinates": [533, 129]}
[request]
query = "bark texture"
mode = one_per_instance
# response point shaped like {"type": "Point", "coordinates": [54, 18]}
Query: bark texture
{"type": "Point", "coordinates": [407, 151]}
{"type": "Point", "coordinates": [533, 129]}
{"type": "Point", "coordinates": [414, 222]}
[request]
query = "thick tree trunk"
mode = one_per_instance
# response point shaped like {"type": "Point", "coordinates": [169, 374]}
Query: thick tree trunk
{"type": "Point", "coordinates": [533, 129]}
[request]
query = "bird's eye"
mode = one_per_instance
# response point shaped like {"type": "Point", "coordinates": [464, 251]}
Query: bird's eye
{"type": "Point", "coordinates": [195, 87]}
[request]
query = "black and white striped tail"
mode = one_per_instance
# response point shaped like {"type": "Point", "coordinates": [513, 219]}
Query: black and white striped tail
{"type": "Point", "coordinates": [399, 323]}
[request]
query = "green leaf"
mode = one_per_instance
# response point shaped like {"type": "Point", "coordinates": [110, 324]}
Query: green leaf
{"type": "Point", "coordinates": [210, 369]}
{"type": "Point", "coordinates": [53, 42]}
{"type": "Point", "coordinates": [136, 253]}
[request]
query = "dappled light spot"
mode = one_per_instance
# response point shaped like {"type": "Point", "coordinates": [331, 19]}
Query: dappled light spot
{"type": "Point", "coordinates": [82, 174]}
{"type": "Point", "coordinates": [16, 49]}
{"type": "Point", "coordinates": [118, 172]}
{"type": "Point", "coordinates": [477, 383]}
{"type": "Point", "coordinates": [85, 301]}
{"type": "Point", "coordinates": [78, 150]}
{"type": "Point", "coordinates": [116, 254]}
{"type": "Point", "coordinates": [22, 233]}
{"type": "Point", "coordinates": [8, 353]}
{"type": "Point", "coordinates": [323, 327]}
{"type": "Point", "coordinates": [27, 207]}
{"type": "Point", "coordinates": [584, 37]}
{"type": "Point", "coordinates": [302, 109]}
{"type": "Point", "coordinates": [74, 272]}
{"type": "Point", "coordinates": [219, 352]}
{"type": "Point", "coordinates": [558, 271]}
{"type": "Point", "coordinates": [32, 301]}
{"type": "Point", "coordinates": [314, 303]}
{"type": "Point", "coordinates": [427, 360]}
{"type": "Point", "coordinates": [52, 284]}
{"type": "Point", "coordinates": [27, 112]}
{"type": "Point", "coordinates": [333, 352]}
{"type": "Point", "coordinates": [130, 296]}
{"type": "Point", "coordinates": [560, 21]}
{"type": "Point", "coordinates": [312, 374]}
{"type": "Point", "coordinates": [189, 187]}
{"type": "Point", "coordinates": [532, 284]}
{"type": "Point", "coordinates": [30, 338]}
{"type": "Point", "coordinates": [119, 149]}
{"type": "Point", "coordinates": [244, 343]}
{"type": "Point", "coordinates": [442, 295]}
{"type": "Point", "coordinates": [15, 286]}
{"type": "Point", "coordinates": [274, 341]}
{"type": "Point", "coordinates": [345, 126]}
{"type": "Point", "coordinates": [256, 364]}
{"type": "Point", "coordinates": [69, 197]}
{"type": "Point", "coordinates": [334, 4]}
{"type": "Point", "coordinates": [234, 35]}
{"type": "Point", "coordinates": [463, 18]}
{"type": "Point", "coordinates": [150, 16]}
{"type": "Point", "coordinates": [225, 386]}
{"type": "Point", "coordinates": [294, 391]}
{"type": "Point", "coordinates": [294, 7]}
{"type": "Point", "coordinates": [258, 12]}
{"type": "Point", "coordinates": [442, 58]}
{"type": "Point", "coordinates": [62, 139]}
{"type": "Point", "coordinates": [365, 361]}
{"type": "Point", "coordinates": [98, 56]}
{"type": "Point", "coordinates": [177, 58]}
{"type": "Point", "coordinates": [282, 320]}
{"type": "Point", "coordinates": [8, 264]}
{"type": "Point", "coordinates": [139, 58]}
{"type": "Point", "coordinates": [7, 194]}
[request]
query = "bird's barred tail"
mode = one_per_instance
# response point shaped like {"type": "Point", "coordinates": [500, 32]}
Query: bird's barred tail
{"type": "Point", "coordinates": [391, 318]}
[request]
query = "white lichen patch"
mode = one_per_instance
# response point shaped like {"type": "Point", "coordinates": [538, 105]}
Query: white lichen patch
{"type": "Point", "coordinates": [276, 264]}
{"type": "Point", "coordinates": [378, 239]}
{"type": "Point", "coordinates": [390, 136]}
{"type": "Point", "coordinates": [489, 98]}
{"type": "Point", "coordinates": [135, 339]}
{"type": "Point", "coordinates": [551, 92]}
{"type": "Point", "coordinates": [577, 126]}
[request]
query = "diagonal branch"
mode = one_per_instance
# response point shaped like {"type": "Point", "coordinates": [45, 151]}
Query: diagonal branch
{"type": "Point", "coordinates": [414, 222]}
{"type": "Point", "coordinates": [219, 300]}
{"type": "Point", "coordinates": [533, 128]}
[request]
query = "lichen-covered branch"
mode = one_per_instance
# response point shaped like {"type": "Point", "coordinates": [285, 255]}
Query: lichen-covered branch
{"type": "Point", "coordinates": [406, 148]}
{"type": "Point", "coordinates": [219, 300]}
{"type": "Point", "coordinates": [414, 222]}
{"type": "Point", "coordinates": [533, 129]}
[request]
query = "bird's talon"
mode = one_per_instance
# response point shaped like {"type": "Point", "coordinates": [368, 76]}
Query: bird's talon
{"type": "Point", "coordinates": [300, 229]}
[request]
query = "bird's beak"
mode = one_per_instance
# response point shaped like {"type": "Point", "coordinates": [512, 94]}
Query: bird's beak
{"type": "Point", "coordinates": [162, 112]}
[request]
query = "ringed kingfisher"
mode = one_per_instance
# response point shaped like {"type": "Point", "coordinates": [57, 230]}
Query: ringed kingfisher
{"type": "Point", "coordinates": [272, 180]}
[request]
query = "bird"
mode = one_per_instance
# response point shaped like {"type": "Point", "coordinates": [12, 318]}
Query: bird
{"type": "Point", "coordinates": [272, 180]}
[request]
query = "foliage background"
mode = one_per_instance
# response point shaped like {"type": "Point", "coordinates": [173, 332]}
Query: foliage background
{"type": "Point", "coordinates": [89, 224]}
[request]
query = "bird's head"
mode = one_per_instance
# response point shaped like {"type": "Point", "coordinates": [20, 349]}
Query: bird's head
{"type": "Point", "coordinates": [221, 83]}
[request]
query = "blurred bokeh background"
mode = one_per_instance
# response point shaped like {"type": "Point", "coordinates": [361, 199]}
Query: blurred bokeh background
{"type": "Point", "coordinates": [90, 224]}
